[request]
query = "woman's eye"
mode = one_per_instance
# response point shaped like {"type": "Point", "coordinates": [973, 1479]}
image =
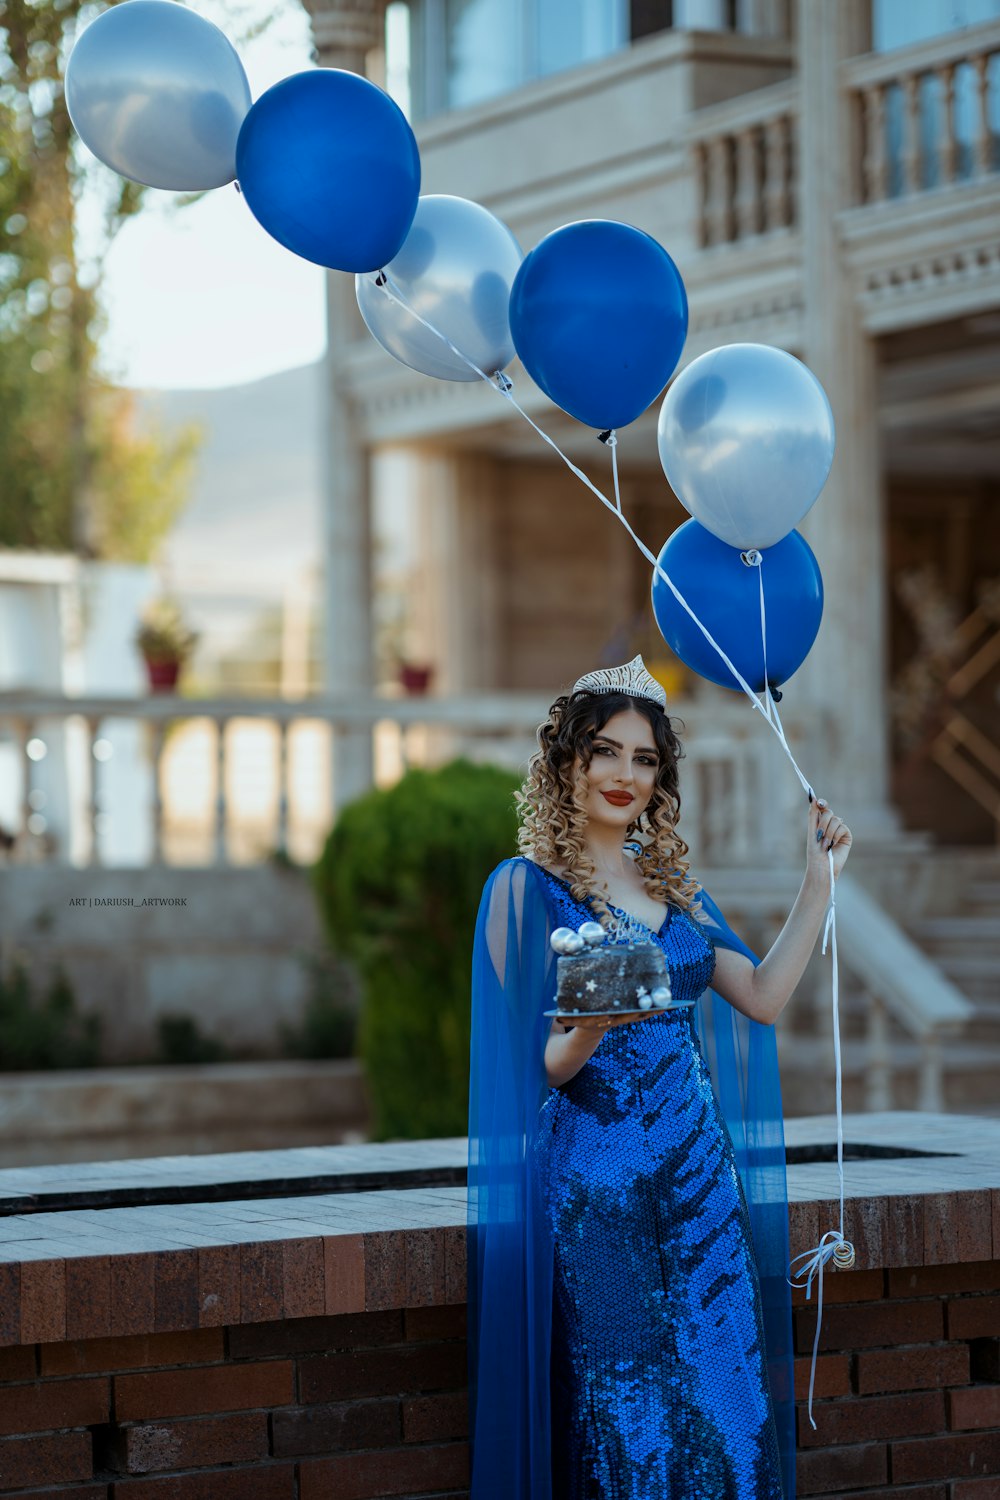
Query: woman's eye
{"type": "Point", "coordinates": [602, 749]}
{"type": "Point", "coordinates": [646, 760]}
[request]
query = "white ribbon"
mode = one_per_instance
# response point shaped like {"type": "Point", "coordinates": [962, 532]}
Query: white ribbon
{"type": "Point", "coordinates": [833, 1245]}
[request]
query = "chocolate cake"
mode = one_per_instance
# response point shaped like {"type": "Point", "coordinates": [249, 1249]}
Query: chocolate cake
{"type": "Point", "coordinates": [615, 977]}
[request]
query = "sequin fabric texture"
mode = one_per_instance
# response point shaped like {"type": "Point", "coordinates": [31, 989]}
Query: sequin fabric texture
{"type": "Point", "coordinates": [659, 1377]}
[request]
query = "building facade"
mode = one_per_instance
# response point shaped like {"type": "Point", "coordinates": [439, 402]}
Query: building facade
{"type": "Point", "coordinates": [826, 178]}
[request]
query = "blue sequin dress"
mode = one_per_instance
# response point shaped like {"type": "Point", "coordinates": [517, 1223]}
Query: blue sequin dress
{"type": "Point", "coordinates": [659, 1380]}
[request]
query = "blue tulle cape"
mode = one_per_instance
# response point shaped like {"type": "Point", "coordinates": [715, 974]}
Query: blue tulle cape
{"type": "Point", "coordinates": [510, 1251]}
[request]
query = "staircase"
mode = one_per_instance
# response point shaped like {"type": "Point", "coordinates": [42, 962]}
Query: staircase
{"type": "Point", "coordinates": [966, 948]}
{"type": "Point", "coordinates": [886, 1061]}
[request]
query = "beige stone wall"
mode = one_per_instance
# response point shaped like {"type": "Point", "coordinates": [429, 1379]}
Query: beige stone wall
{"type": "Point", "coordinates": [573, 588]}
{"type": "Point", "coordinates": [229, 954]}
{"type": "Point", "coordinates": [519, 579]}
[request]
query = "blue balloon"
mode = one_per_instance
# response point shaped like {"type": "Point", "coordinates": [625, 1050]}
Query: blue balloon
{"type": "Point", "coordinates": [599, 316]}
{"type": "Point", "coordinates": [724, 593]}
{"type": "Point", "coordinates": [329, 166]}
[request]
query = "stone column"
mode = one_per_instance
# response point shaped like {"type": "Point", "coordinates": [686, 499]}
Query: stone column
{"type": "Point", "coordinates": [345, 33]}
{"type": "Point", "coordinates": [845, 675]}
{"type": "Point", "coordinates": [763, 17]}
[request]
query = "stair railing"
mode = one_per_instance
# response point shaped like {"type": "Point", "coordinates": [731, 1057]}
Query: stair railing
{"type": "Point", "coordinates": [899, 979]}
{"type": "Point", "coordinates": [903, 983]}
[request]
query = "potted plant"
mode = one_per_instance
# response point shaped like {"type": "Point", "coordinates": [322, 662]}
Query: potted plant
{"type": "Point", "coordinates": [393, 661]}
{"type": "Point", "coordinates": [166, 643]}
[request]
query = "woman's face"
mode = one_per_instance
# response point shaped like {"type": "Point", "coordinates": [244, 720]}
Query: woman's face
{"type": "Point", "coordinates": [622, 773]}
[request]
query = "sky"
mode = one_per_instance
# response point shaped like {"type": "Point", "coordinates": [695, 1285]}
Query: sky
{"type": "Point", "coordinates": [201, 296]}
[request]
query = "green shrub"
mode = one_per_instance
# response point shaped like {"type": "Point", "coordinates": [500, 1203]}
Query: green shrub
{"type": "Point", "coordinates": [330, 1016]}
{"type": "Point", "coordinates": [182, 1041]}
{"type": "Point", "coordinates": [399, 882]}
{"type": "Point", "coordinates": [43, 1031]}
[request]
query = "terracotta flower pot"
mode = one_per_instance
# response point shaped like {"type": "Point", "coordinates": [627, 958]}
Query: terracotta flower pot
{"type": "Point", "coordinates": [162, 675]}
{"type": "Point", "coordinates": [415, 680]}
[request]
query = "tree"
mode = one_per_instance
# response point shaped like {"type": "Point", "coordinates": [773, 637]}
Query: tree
{"type": "Point", "coordinates": [74, 472]}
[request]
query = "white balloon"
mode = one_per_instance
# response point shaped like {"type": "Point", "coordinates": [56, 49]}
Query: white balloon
{"type": "Point", "coordinates": [456, 268]}
{"type": "Point", "coordinates": [746, 439]}
{"type": "Point", "coordinates": [159, 94]}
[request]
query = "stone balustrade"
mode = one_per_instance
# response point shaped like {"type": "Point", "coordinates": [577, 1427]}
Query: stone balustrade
{"type": "Point", "coordinates": [738, 794]}
{"type": "Point", "coordinates": [745, 165]}
{"type": "Point", "coordinates": [927, 114]}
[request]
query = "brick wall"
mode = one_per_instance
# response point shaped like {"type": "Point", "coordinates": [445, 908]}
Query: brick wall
{"type": "Point", "coordinates": [907, 1402]}
{"type": "Point", "coordinates": [907, 1395]}
{"type": "Point", "coordinates": [312, 1348]}
{"type": "Point", "coordinates": [363, 1405]}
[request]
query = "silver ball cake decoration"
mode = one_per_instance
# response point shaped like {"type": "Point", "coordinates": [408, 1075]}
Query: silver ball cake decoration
{"type": "Point", "coordinates": [560, 937]}
{"type": "Point", "coordinates": [660, 997]}
{"type": "Point", "coordinates": [593, 934]}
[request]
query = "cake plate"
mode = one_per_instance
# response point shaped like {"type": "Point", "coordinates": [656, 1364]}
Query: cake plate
{"type": "Point", "coordinates": [620, 1010]}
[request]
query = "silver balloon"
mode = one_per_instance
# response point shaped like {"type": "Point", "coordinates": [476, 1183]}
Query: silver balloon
{"type": "Point", "coordinates": [746, 440]}
{"type": "Point", "coordinates": [455, 269]}
{"type": "Point", "coordinates": [159, 94]}
{"type": "Point", "coordinates": [592, 933]}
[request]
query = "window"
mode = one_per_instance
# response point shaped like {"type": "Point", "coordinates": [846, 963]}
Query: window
{"type": "Point", "coordinates": [896, 24]}
{"type": "Point", "coordinates": [443, 54]}
{"type": "Point", "coordinates": [467, 51]}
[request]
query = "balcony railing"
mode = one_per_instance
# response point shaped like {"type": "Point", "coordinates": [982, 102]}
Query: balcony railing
{"type": "Point", "coordinates": [740, 802]}
{"type": "Point", "coordinates": [745, 165]}
{"type": "Point", "coordinates": [928, 114]}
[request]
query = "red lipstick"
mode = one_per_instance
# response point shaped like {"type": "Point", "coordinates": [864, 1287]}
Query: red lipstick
{"type": "Point", "coordinates": [618, 799]}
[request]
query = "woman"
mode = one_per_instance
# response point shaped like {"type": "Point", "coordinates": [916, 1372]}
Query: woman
{"type": "Point", "coordinates": [629, 1313]}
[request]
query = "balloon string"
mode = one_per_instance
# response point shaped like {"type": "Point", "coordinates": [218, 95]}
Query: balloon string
{"type": "Point", "coordinates": [772, 707]}
{"type": "Point", "coordinates": [500, 382]}
{"type": "Point", "coordinates": [613, 445]}
{"type": "Point", "coordinates": [616, 510]}
{"type": "Point", "coordinates": [755, 559]}
{"type": "Point", "coordinates": [763, 631]}
{"type": "Point", "coordinates": [833, 1245]}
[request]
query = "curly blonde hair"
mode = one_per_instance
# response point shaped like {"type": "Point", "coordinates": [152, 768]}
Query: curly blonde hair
{"type": "Point", "coordinates": [554, 819]}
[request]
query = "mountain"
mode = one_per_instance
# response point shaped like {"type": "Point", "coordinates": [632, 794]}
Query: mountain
{"type": "Point", "coordinates": [254, 522]}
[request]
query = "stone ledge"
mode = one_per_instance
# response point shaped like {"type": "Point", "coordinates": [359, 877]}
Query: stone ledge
{"type": "Point", "coordinates": [94, 1273]}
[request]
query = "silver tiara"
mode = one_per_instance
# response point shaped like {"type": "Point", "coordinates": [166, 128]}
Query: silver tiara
{"type": "Point", "coordinates": [632, 679]}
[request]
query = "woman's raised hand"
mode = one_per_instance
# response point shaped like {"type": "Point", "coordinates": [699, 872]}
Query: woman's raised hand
{"type": "Point", "coordinates": [826, 834]}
